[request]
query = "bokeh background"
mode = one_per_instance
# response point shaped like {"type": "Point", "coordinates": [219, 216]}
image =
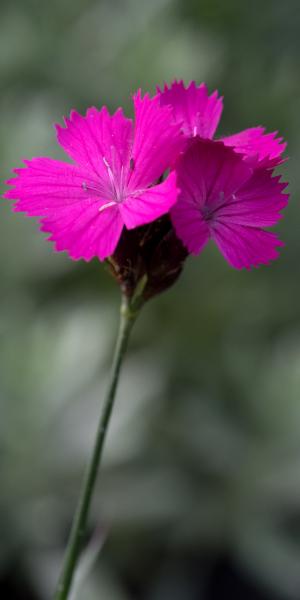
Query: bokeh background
{"type": "Point", "coordinates": [199, 497]}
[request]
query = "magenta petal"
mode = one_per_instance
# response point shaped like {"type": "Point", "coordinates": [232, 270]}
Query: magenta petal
{"type": "Point", "coordinates": [209, 172]}
{"type": "Point", "coordinates": [258, 202]}
{"type": "Point", "coordinates": [245, 247]}
{"type": "Point", "coordinates": [189, 225]}
{"type": "Point", "coordinates": [63, 196]}
{"type": "Point", "coordinates": [259, 148]}
{"type": "Point", "coordinates": [96, 138]}
{"type": "Point", "coordinates": [157, 141]}
{"type": "Point", "coordinates": [45, 185]}
{"type": "Point", "coordinates": [149, 204]}
{"type": "Point", "coordinates": [86, 234]}
{"type": "Point", "coordinates": [196, 111]}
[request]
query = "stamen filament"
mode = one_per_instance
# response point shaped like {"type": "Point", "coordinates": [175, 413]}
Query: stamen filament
{"type": "Point", "coordinates": [107, 205]}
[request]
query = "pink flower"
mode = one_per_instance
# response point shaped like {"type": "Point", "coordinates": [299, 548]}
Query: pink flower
{"type": "Point", "coordinates": [199, 115]}
{"type": "Point", "coordinates": [223, 198]}
{"type": "Point", "coordinates": [112, 182]}
{"type": "Point", "coordinates": [223, 190]}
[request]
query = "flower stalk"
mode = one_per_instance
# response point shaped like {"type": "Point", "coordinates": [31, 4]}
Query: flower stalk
{"type": "Point", "coordinates": [128, 313]}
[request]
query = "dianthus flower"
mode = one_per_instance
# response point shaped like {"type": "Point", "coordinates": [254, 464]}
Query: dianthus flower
{"type": "Point", "coordinates": [227, 188]}
{"type": "Point", "coordinates": [128, 174]}
{"type": "Point", "coordinates": [114, 180]}
{"type": "Point", "coordinates": [223, 198]}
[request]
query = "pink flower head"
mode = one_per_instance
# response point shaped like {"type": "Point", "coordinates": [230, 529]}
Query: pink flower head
{"type": "Point", "coordinates": [112, 182]}
{"type": "Point", "coordinates": [199, 115]}
{"type": "Point", "coordinates": [223, 198]}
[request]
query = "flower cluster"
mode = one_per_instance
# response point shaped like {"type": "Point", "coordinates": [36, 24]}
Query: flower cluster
{"type": "Point", "coordinates": [163, 167]}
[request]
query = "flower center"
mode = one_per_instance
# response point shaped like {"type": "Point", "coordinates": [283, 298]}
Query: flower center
{"type": "Point", "coordinates": [211, 207]}
{"type": "Point", "coordinates": [117, 181]}
{"type": "Point", "coordinates": [207, 212]}
{"type": "Point", "coordinates": [114, 187]}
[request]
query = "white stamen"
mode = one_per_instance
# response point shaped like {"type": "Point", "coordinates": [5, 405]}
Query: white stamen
{"type": "Point", "coordinates": [195, 131]}
{"type": "Point", "coordinates": [116, 186]}
{"type": "Point", "coordinates": [107, 205]}
{"type": "Point", "coordinates": [110, 173]}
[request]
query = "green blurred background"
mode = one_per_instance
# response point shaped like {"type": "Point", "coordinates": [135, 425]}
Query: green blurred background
{"type": "Point", "coordinates": [199, 497]}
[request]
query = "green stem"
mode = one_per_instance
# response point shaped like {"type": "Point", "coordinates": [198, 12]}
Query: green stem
{"type": "Point", "coordinates": [128, 314]}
